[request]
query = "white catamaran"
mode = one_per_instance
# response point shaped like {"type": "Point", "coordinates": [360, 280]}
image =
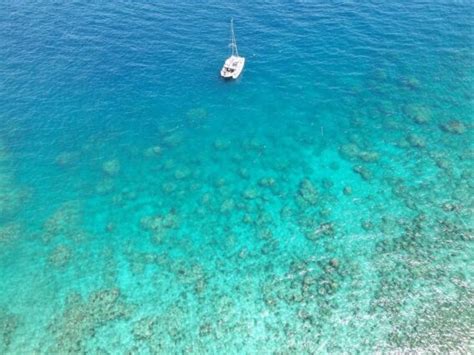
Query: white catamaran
{"type": "Point", "coordinates": [233, 65]}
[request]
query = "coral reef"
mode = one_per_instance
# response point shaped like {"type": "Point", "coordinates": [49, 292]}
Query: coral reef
{"type": "Point", "coordinates": [347, 190]}
{"type": "Point", "coordinates": [82, 318]}
{"type": "Point", "coordinates": [250, 193]}
{"type": "Point", "coordinates": [105, 186]}
{"type": "Point", "coordinates": [352, 152]}
{"type": "Point", "coordinates": [182, 173]}
{"type": "Point", "coordinates": [63, 221]}
{"type": "Point", "coordinates": [419, 114]}
{"type": "Point", "coordinates": [60, 256]}
{"type": "Point", "coordinates": [159, 226]}
{"type": "Point", "coordinates": [411, 83]}
{"type": "Point", "coordinates": [8, 326]}
{"type": "Point", "coordinates": [143, 329]}
{"type": "Point", "coordinates": [153, 151]}
{"type": "Point", "coordinates": [307, 193]}
{"type": "Point", "coordinates": [321, 230]}
{"type": "Point", "coordinates": [267, 182]}
{"type": "Point", "coordinates": [439, 327]}
{"type": "Point", "coordinates": [440, 315]}
{"type": "Point", "coordinates": [307, 288]}
{"type": "Point", "coordinates": [227, 206]}
{"type": "Point", "coordinates": [111, 167]}
{"type": "Point", "coordinates": [9, 232]}
{"type": "Point", "coordinates": [454, 127]}
{"type": "Point", "coordinates": [363, 172]}
{"type": "Point", "coordinates": [173, 139]}
{"type": "Point", "coordinates": [416, 141]}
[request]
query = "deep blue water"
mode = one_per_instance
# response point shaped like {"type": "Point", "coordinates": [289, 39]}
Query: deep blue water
{"type": "Point", "coordinates": [321, 203]}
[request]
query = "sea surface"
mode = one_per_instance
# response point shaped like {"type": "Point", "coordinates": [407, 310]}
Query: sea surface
{"type": "Point", "coordinates": [321, 203]}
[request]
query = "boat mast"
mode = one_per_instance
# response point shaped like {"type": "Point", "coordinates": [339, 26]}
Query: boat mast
{"type": "Point", "coordinates": [233, 44]}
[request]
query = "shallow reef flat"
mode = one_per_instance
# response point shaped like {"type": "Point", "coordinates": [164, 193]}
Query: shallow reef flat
{"type": "Point", "coordinates": [285, 244]}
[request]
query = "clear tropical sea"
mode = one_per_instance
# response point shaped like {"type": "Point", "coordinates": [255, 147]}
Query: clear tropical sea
{"type": "Point", "coordinates": [322, 203]}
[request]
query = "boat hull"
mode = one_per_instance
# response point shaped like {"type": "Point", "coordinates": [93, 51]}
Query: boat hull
{"type": "Point", "coordinates": [233, 67]}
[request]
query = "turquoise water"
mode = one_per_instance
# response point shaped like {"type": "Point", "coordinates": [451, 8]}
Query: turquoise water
{"type": "Point", "coordinates": [322, 203]}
